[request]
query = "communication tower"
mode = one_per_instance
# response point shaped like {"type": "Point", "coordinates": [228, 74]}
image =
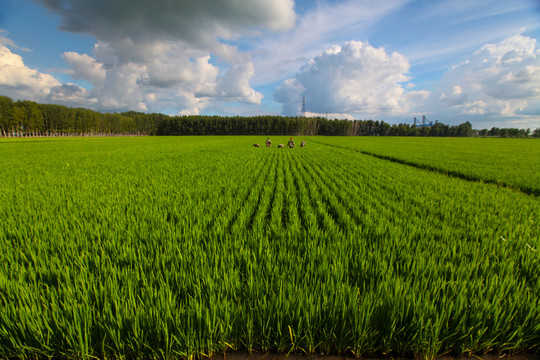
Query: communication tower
{"type": "Point", "coordinates": [304, 106]}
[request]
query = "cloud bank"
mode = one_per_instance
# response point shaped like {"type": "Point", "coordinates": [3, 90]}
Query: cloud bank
{"type": "Point", "coordinates": [192, 21]}
{"type": "Point", "coordinates": [498, 81]}
{"type": "Point", "coordinates": [188, 56]}
{"type": "Point", "coordinates": [167, 54]}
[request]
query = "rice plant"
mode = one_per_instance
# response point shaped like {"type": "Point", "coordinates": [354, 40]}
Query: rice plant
{"type": "Point", "coordinates": [186, 247]}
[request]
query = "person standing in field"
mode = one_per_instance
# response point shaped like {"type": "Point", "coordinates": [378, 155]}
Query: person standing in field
{"type": "Point", "coordinates": [291, 143]}
{"type": "Point", "coordinates": [268, 142]}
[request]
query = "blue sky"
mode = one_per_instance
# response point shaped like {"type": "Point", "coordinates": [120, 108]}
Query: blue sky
{"type": "Point", "coordinates": [453, 61]}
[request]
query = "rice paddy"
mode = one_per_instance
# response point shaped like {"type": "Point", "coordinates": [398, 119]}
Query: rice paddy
{"type": "Point", "coordinates": [181, 247]}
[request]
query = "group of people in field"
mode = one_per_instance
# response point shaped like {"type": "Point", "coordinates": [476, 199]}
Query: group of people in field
{"type": "Point", "coordinates": [290, 143]}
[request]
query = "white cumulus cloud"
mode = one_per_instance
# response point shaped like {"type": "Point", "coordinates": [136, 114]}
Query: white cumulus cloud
{"type": "Point", "coordinates": [21, 82]}
{"type": "Point", "coordinates": [161, 74]}
{"type": "Point", "coordinates": [147, 76]}
{"type": "Point", "coordinates": [289, 93]}
{"type": "Point", "coordinates": [68, 94]}
{"type": "Point", "coordinates": [168, 54]}
{"type": "Point", "coordinates": [498, 81]}
{"type": "Point", "coordinates": [85, 67]}
{"type": "Point", "coordinates": [324, 24]}
{"type": "Point", "coordinates": [355, 78]}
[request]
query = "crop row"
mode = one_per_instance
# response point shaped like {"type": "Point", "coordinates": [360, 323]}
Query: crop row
{"type": "Point", "coordinates": [508, 162]}
{"type": "Point", "coordinates": [176, 247]}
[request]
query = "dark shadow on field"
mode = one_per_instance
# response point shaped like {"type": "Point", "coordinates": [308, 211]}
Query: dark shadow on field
{"type": "Point", "coordinates": [284, 356]}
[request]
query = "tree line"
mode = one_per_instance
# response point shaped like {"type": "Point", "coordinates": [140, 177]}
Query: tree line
{"type": "Point", "coordinates": [27, 118]}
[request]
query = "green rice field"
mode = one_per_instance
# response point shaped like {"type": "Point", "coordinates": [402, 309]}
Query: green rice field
{"type": "Point", "coordinates": [506, 162]}
{"type": "Point", "coordinates": [182, 247]}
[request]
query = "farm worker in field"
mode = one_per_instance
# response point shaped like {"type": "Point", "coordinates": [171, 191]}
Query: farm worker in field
{"type": "Point", "coordinates": [268, 142]}
{"type": "Point", "coordinates": [291, 143]}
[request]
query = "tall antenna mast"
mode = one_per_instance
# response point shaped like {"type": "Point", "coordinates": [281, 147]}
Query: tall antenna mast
{"type": "Point", "coordinates": [304, 106]}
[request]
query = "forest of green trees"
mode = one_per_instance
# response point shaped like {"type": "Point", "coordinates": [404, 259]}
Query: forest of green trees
{"type": "Point", "coordinates": [27, 118]}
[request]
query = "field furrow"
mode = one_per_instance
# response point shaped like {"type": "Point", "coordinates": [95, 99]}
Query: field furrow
{"type": "Point", "coordinates": [331, 197]}
{"type": "Point", "coordinates": [194, 246]}
{"type": "Point", "coordinates": [302, 209]}
{"type": "Point", "coordinates": [308, 211]}
{"type": "Point", "coordinates": [294, 221]}
{"type": "Point", "coordinates": [229, 215]}
{"type": "Point", "coordinates": [504, 162]}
